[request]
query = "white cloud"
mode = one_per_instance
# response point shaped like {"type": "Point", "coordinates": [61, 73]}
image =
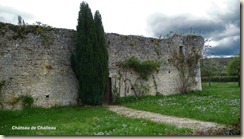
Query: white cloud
{"type": "Point", "coordinates": [120, 16]}
{"type": "Point", "coordinates": [213, 18]}
{"type": "Point", "coordinates": [9, 14]}
{"type": "Point", "coordinates": [224, 42]}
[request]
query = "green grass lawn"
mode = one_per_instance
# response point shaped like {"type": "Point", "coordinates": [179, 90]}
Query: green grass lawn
{"type": "Point", "coordinates": [219, 103]}
{"type": "Point", "coordinates": [81, 121]}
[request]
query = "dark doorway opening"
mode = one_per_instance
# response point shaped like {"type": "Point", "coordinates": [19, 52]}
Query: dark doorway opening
{"type": "Point", "coordinates": [108, 96]}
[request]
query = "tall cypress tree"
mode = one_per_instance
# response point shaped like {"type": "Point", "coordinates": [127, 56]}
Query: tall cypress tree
{"type": "Point", "coordinates": [90, 60]}
{"type": "Point", "coordinates": [102, 53]}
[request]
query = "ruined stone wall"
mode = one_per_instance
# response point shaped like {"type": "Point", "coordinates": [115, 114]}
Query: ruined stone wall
{"type": "Point", "coordinates": [35, 61]}
{"type": "Point", "coordinates": [126, 82]}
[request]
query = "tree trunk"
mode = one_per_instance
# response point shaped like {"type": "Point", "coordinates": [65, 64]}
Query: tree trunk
{"type": "Point", "coordinates": [209, 80]}
{"type": "Point", "coordinates": [239, 80]}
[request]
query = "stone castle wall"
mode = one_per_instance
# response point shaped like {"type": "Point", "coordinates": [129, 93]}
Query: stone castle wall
{"type": "Point", "coordinates": [30, 66]}
{"type": "Point", "coordinates": [35, 61]}
{"type": "Point", "coordinates": [163, 81]}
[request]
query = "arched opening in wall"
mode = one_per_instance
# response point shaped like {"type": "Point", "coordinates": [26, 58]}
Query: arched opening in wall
{"type": "Point", "coordinates": [107, 99]}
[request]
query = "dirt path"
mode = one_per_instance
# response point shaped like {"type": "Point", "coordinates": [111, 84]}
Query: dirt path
{"type": "Point", "coordinates": [198, 127]}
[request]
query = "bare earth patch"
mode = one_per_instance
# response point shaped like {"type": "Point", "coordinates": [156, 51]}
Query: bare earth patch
{"type": "Point", "coordinates": [198, 127]}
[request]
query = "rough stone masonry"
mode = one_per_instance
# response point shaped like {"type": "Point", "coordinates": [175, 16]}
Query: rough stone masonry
{"type": "Point", "coordinates": [35, 61]}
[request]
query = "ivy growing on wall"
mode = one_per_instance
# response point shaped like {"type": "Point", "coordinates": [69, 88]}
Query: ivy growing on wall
{"type": "Point", "coordinates": [143, 68]}
{"type": "Point", "coordinates": [132, 43]}
{"type": "Point", "coordinates": [2, 83]}
{"type": "Point", "coordinates": [46, 35]}
{"type": "Point", "coordinates": [21, 32]}
{"type": "Point", "coordinates": [140, 89]}
{"type": "Point", "coordinates": [186, 63]}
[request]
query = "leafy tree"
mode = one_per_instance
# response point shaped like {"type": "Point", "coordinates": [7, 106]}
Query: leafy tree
{"type": "Point", "coordinates": [209, 68]}
{"type": "Point", "coordinates": [233, 66]}
{"type": "Point", "coordinates": [90, 61]}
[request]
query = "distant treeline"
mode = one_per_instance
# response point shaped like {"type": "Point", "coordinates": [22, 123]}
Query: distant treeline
{"type": "Point", "coordinates": [220, 79]}
{"type": "Point", "coordinates": [221, 69]}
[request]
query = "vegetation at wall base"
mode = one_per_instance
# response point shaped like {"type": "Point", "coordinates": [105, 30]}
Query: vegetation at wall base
{"type": "Point", "coordinates": [27, 101]}
{"type": "Point", "coordinates": [2, 83]}
{"type": "Point", "coordinates": [90, 61]}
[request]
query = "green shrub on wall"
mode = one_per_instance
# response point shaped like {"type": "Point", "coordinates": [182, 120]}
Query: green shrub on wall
{"type": "Point", "coordinates": [143, 68]}
{"type": "Point", "coordinates": [27, 101]}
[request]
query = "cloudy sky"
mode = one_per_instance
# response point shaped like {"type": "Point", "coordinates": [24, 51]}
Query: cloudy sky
{"type": "Point", "coordinates": [218, 20]}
